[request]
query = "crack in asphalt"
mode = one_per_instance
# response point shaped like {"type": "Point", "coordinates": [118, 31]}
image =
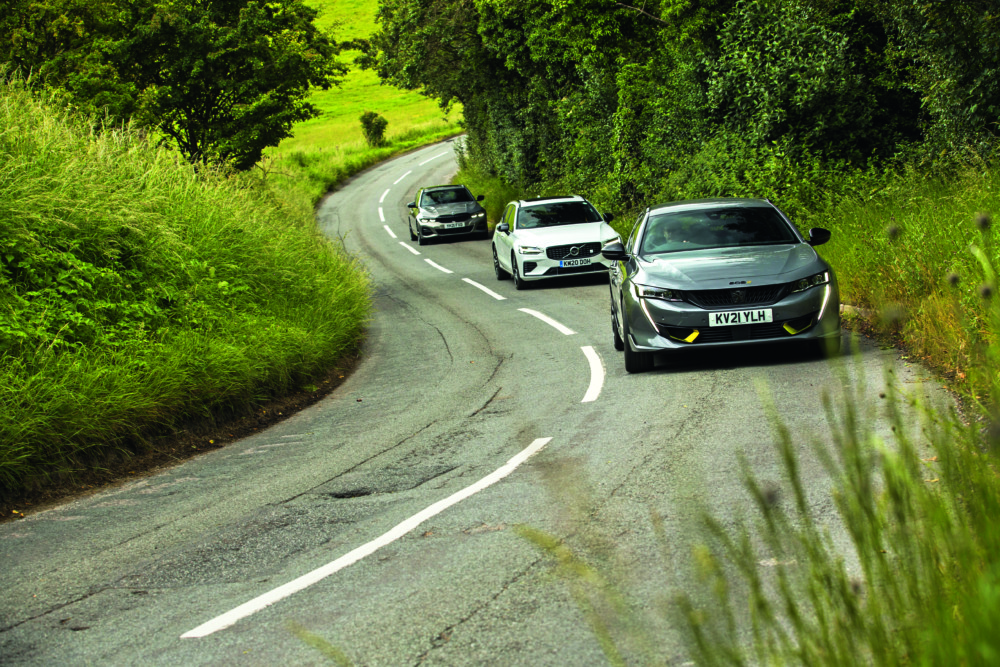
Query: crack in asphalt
{"type": "Point", "coordinates": [359, 463]}
{"type": "Point", "coordinates": [680, 428]}
{"type": "Point", "coordinates": [56, 608]}
{"type": "Point", "coordinates": [488, 401]}
{"type": "Point", "coordinates": [415, 313]}
{"type": "Point", "coordinates": [442, 638]}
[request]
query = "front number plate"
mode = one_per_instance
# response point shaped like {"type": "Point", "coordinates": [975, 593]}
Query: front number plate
{"type": "Point", "coordinates": [583, 261]}
{"type": "Point", "coordinates": [453, 225]}
{"type": "Point", "coordinates": [739, 317]}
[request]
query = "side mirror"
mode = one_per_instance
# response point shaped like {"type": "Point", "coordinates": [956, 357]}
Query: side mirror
{"type": "Point", "coordinates": [818, 236]}
{"type": "Point", "coordinates": [503, 228]}
{"type": "Point", "coordinates": [412, 204]}
{"type": "Point", "coordinates": [614, 251]}
{"type": "Point", "coordinates": [608, 217]}
{"type": "Point", "coordinates": [480, 197]}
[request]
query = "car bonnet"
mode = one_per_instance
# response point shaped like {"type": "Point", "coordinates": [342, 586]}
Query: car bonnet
{"type": "Point", "coordinates": [716, 268]}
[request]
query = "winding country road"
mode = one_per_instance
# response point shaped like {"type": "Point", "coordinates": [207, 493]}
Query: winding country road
{"type": "Point", "coordinates": [383, 518]}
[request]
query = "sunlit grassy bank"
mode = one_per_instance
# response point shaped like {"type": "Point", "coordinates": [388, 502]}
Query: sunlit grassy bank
{"type": "Point", "coordinates": [137, 294]}
{"type": "Point", "coordinates": [331, 146]}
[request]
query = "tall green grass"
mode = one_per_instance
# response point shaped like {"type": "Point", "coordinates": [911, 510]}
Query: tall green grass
{"type": "Point", "coordinates": [136, 294]}
{"type": "Point", "coordinates": [904, 255]}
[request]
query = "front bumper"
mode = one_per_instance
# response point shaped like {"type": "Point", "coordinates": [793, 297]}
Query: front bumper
{"type": "Point", "coordinates": [655, 324]}
{"type": "Point", "coordinates": [448, 229]}
{"type": "Point", "coordinates": [538, 267]}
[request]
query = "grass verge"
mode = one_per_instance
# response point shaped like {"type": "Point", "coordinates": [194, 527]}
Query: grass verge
{"type": "Point", "coordinates": [139, 296]}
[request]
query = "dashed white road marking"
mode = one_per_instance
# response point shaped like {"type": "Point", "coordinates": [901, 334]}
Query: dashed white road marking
{"type": "Point", "coordinates": [396, 182]}
{"type": "Point", "coordinates": [430, 159]}
{"type": "Point", "coordinates": [381, 215]}
{"type": "Point", "coordinates": [409, 247]}
{"type": "Point", "coordinates": [306, 580]}
{"type": "Point", "coordinates": [438, 266]}
{"type": "Point", "coordinates": [548, 320]}
{"type": "Point", "coordinates": [382, 198]}
{"type": "Point", "coordinates": [596, 375]}
{"type": "Point", "coordinates": [485, 289]}
{"type": "Point", "coordinates": [390, 231]}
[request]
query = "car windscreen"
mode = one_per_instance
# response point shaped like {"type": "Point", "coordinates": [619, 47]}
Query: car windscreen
{"type": "Point", "coordinates": [450, 196]}
{"type": "Point", "coordinates": [557, 213]}
{"type": "Point", "coordinates": [731, 226]}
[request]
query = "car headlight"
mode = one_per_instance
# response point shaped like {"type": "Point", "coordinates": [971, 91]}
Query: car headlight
{"type": "Point", "coordinates": [811, 281]}
{"type": "Point", "coordinates": [650, 292]}
{"type": "Point", "coordinates": [528, 249]}
{"type": "Point", "coordinates": [478, 215]}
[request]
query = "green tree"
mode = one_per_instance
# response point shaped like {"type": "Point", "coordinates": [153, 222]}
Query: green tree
{"type": "Point", "coordinates": [63, 45]}
{"type": "Point", "coordinates": [224, 79]}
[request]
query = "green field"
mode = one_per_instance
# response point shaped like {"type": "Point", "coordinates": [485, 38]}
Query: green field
{"type": "Point", "coordinates": [409, 113]}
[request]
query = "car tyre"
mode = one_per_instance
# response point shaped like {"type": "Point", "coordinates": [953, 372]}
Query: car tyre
{"type": "Point", "coordinates": [617, 338]}
{"type": "Point", "coordinates": [421, 239]}
{"type": "Point", "coordinates": [501, 274]}
{"type": "Point", "coordinates": [409, 228]}
{"type": "Point", "coordinates": [519, 282]}
{"type": "Point", "coordinates": [635, 362]}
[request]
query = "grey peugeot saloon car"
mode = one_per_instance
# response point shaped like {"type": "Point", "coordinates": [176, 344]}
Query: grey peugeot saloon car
{"type": "Point", "coordinates": [719, 272]}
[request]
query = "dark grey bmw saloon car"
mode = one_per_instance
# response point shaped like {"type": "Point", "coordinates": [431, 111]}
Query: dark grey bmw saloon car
{"type": "Point", "coordinates": [719, 272]}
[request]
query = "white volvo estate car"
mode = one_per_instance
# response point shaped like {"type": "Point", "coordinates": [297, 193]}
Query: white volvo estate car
{"type": "Point", "coordinates": [549, 237]}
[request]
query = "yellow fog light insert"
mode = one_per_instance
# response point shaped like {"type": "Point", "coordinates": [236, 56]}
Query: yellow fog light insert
{"type": "Point", "coordinates": [690, 338]}
{"type": "Point", "coordinates": [799, 325]}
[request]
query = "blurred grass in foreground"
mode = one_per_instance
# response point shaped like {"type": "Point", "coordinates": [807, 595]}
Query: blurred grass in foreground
{"type": "Point", "coordinates": [919, 581]}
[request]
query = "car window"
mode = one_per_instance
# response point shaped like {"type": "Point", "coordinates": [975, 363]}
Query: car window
{"type": "Point", "coordinates": [715, 228]}
{"type": "Point", "coordinates": [508, 215]}
{"type": "Point", "coordinates": [557, 213]}
{"type": "Point", "coordinates": [635, 230]}
{"type": "Point", "coordinates": [449, 196]}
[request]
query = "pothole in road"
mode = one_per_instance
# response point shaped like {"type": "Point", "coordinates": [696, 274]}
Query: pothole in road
{"type": "Point", "coordinates": [384, 480]}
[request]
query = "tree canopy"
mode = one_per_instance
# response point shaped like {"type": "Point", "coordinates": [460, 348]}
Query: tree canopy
{"type": "Point", "coordinates": [219, 79]}
{"type": "Point", "coordinates": [629, 99]}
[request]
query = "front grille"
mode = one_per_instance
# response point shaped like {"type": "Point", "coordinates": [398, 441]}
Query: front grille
{"type": "Point", "coordinates": [452, 218]}
{"type": "Point", "coordinates": [761, 331]}
{"type": "Point", "coordinates": [583, 250]}
{"type": "Point", "coordinates": [715, 299]}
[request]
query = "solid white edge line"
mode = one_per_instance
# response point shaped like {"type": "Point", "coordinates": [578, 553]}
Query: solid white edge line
{"type": "Point", "coordinates": [485, 289]}
{"type": "Point", "coordinates": [438, 266]}
{"type": "Point", "coordinates": [381, 215]}
{"type": "Point", "coordinates": [396, 182]}
{"type": "Point", "coordinates": [548, 320]}
{"type": "Point", "coordinates": [596, 375]}
{"type": "Point", "coordinates": [390, 231]}
{"type": "Point", "coordinates": [409, 247]}
{"type": "Point", "coordinates": [382, 198]}
{"type": "Point", "coordinates": [310, 578]}
{"type": "Point", "coordinates": [430, 159]}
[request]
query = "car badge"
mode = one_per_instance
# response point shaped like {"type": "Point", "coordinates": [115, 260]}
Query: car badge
{"type": "Point", "coordinates": [738, 295]}
{"type": "Point", "coordinates": [574, 251]}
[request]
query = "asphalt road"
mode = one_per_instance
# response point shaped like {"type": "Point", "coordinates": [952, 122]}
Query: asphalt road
{"type": "Point", "coordinates": [384, 519]}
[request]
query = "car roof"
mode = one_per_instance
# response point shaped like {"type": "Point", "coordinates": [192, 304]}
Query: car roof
{"type": "Point", "coordinates": [445, 187]}
{"type": "Point", "coordinates": [540, 200]}
{"type": "Point", "coordinates": [695, 204]}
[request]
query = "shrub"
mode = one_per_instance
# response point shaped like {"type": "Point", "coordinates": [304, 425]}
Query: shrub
{"type": "Point", "coordinates": [373, 125]}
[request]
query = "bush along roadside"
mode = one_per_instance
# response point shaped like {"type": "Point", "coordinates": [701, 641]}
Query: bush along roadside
{"type": "Point", "coordinates": [138, 295]}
